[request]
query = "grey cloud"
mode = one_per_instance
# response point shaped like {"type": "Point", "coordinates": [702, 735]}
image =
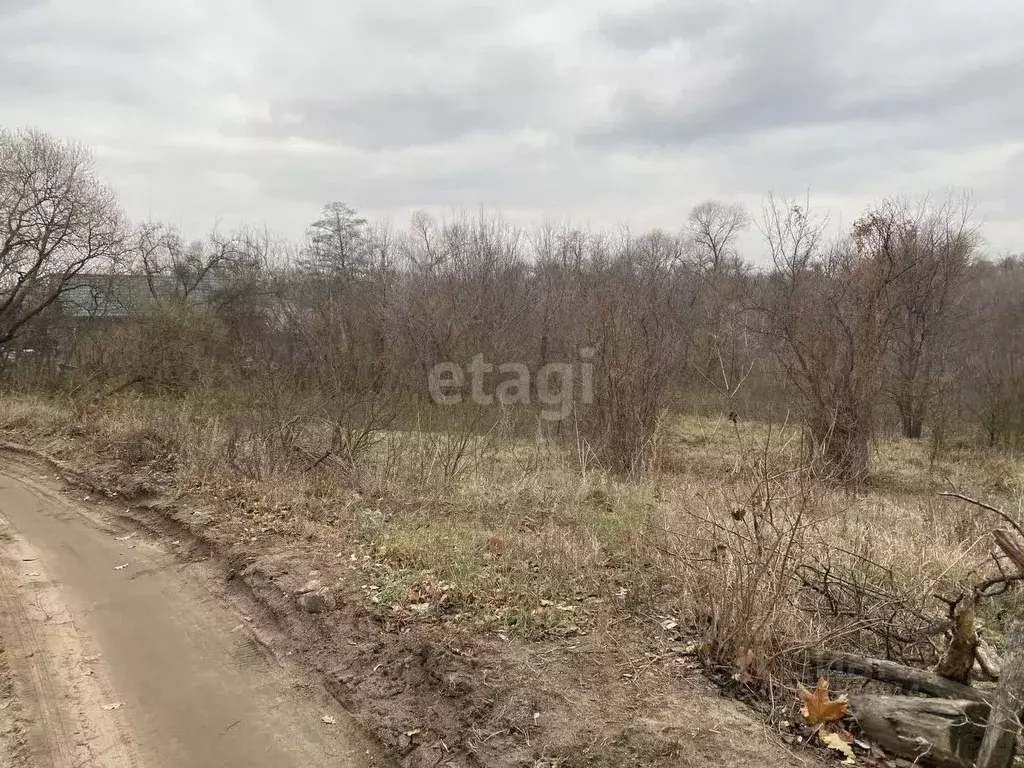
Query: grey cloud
{"type": "Point", "coordinates": [816, 68]}
{"type": "Point", "coordinates": [264, 110]}
{"type": "Point", "coordinates": [494, 174]}
{"type": "Point", "coordinates": [13, 7]}
{"type": "Point", "coordinates": [431, 24]}
{"type": "Point", "coordinates": [21, 78]}
{"type": "Point", "coordinates": [754, 100]}
{"type": "Point", "coordinates": [528, 181]}
{"type": "Point", "coordinates": [381, 121]}
{"type": "Point", "coordinates": [107, 30]}
{"type": "Point", "coordinates": [29, 76]}
{"type": "Point", "coordinates": [509, 89]}
{"type": "Point", "coordinates": [111, 55]}
{"type": "Point", "coordinates": [664, 24]}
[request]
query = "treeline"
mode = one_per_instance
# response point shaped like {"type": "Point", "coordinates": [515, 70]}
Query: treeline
{"type": "Point", "coordinates": [903, 321]}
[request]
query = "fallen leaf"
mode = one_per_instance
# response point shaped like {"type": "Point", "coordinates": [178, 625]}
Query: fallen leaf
{"type": "Point", "coordinates": [836, 742]}
{"type": "Point", "coordinates": [818, 707]}
{"type": "Point", "coordinates": [329, 719]}
{"type": "Point", "coordinates": [120, 567]}
{"type": "Point", "coordinates": [112, 707]}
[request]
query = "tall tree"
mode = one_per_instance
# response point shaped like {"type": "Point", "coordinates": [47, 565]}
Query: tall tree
{"type": "Point", "coordinates": [57, 220]}
{"type": "Point", "coordinates": [993, 352]}
{"type": "Point", "coordinates": [829, 312]}
{"type": "Point", "coordinates": [712, 230]}
{"type": "Point", "coordinates": [337, 242]}
{"type": "Point", "coordinates": [720, 352]}
{"type": "Point", "coordinates": [934, 246]}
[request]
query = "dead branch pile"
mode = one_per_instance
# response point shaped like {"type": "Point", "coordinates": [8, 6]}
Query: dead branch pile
{"type": "Point", "coordinates": [975, 726]}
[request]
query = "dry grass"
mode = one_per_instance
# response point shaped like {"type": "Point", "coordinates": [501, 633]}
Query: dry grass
{"type": "Point", "coordinates": [731, 544]}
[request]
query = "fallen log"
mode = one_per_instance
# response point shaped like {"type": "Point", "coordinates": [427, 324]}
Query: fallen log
{"type": "Point", "coordinates": [1010, 547]}
{"type": "Point", "coordinates": [940, 733]}
{"type": "Point", "coordinates": [906, 678]}
{"type": "Point", "coordinates": [989, 662]}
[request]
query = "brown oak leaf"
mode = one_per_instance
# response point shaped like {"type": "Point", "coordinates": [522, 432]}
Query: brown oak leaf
{"type": "Point", "coordinates": [818, 707]}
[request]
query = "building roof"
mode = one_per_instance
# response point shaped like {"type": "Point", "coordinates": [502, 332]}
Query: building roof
{"type": "Point", "coordinates": [114, 296]}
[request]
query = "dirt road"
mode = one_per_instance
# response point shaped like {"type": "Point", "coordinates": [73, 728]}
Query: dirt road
{"type": "Point", "coordinates": [117, 654]}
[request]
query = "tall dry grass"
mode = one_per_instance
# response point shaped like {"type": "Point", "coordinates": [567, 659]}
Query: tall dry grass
{"type": "Point", "coordinates": [733, 544]}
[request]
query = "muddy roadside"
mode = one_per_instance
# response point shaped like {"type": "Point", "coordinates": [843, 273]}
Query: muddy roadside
{"type": "Point", "coordinates": [13, 742]}
{"type": "Point", "coordinates": [435, 695]}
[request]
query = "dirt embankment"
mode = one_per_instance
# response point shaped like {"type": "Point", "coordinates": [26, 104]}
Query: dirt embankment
{"type": "Point", "coordinates": [435, 696]}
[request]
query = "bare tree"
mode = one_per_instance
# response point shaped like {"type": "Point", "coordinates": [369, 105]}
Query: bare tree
{"type": "Point", "coordinates": [57, 221]}
{"type": "Point", "coordinates": [176, 268]}
{"type": "Point", "coordinates": [637, 327]}
{"type": "Point", "coordinates": [934, 245]}
{"type": "Point", "coordinates": [994, 351]}
{"type": "Point", "coordinates": [468, 290]}
{"type": "Point", "coordinates": [712, 231]}
{"type": "Point", "coordinates": [830, 312]}
{"type": "Point", "coordinates": [871, 319]}
{"type": "Point", "coordinates": [718, 333]}
{"type": "Point", "coordinates": [336, 242]}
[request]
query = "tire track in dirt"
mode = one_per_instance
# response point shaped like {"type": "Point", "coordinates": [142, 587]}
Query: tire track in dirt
{"type": "Point", "coordinates": [70, 709]}
{"type": "Point", "coordinates": [124, 657]}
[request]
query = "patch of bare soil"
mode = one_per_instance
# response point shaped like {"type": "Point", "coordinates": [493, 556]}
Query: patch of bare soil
{"type": "Point", "coordinates": [56, 710]}
{"type": "Point", "coordinates": [442, 697]}
{"type": "Point", "coordinates": [13, 746]}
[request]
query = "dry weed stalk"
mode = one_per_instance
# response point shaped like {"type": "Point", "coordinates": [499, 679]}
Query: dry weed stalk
{"type": "Point", "coordinates": [773, 576]}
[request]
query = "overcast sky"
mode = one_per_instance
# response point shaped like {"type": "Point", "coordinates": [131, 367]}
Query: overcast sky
{"type": "Point", "coordinates": [602, 112]}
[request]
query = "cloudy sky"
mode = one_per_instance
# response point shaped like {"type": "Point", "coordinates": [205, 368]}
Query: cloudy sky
{"type": "Point", "coordinates": [603, 112]}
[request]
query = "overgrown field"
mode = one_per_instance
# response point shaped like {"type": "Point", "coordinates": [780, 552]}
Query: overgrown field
{"type": "Point", "coordinates": [730, 546]}
{"type": "Point", "coordinates": [322, 412]}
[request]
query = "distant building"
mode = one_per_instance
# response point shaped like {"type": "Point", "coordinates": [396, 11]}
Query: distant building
{"type": "Point", "coordinates": [117, 297]}
{"type": "Point", "coordinates": [91, 306]}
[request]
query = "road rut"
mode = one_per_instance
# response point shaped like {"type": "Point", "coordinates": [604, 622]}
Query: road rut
{"type": "Point", "coordinates": [122, 655]}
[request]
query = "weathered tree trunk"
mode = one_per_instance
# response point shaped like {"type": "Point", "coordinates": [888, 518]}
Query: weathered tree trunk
{"type": "Point", "coordinates": [909, 679]}
{"type": "Point", "coordinates": [931, 732]}
{"type": "Point", "coordinates": [912, 406]}
{"type": "Point", "coordinates": [958, 661]}
{"type": "Point", "coordinates": [997, 749]}
{"type": "Point", "coordinates": [913, 426]}
{"type": "Point", "coordinates": [841, 440]}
